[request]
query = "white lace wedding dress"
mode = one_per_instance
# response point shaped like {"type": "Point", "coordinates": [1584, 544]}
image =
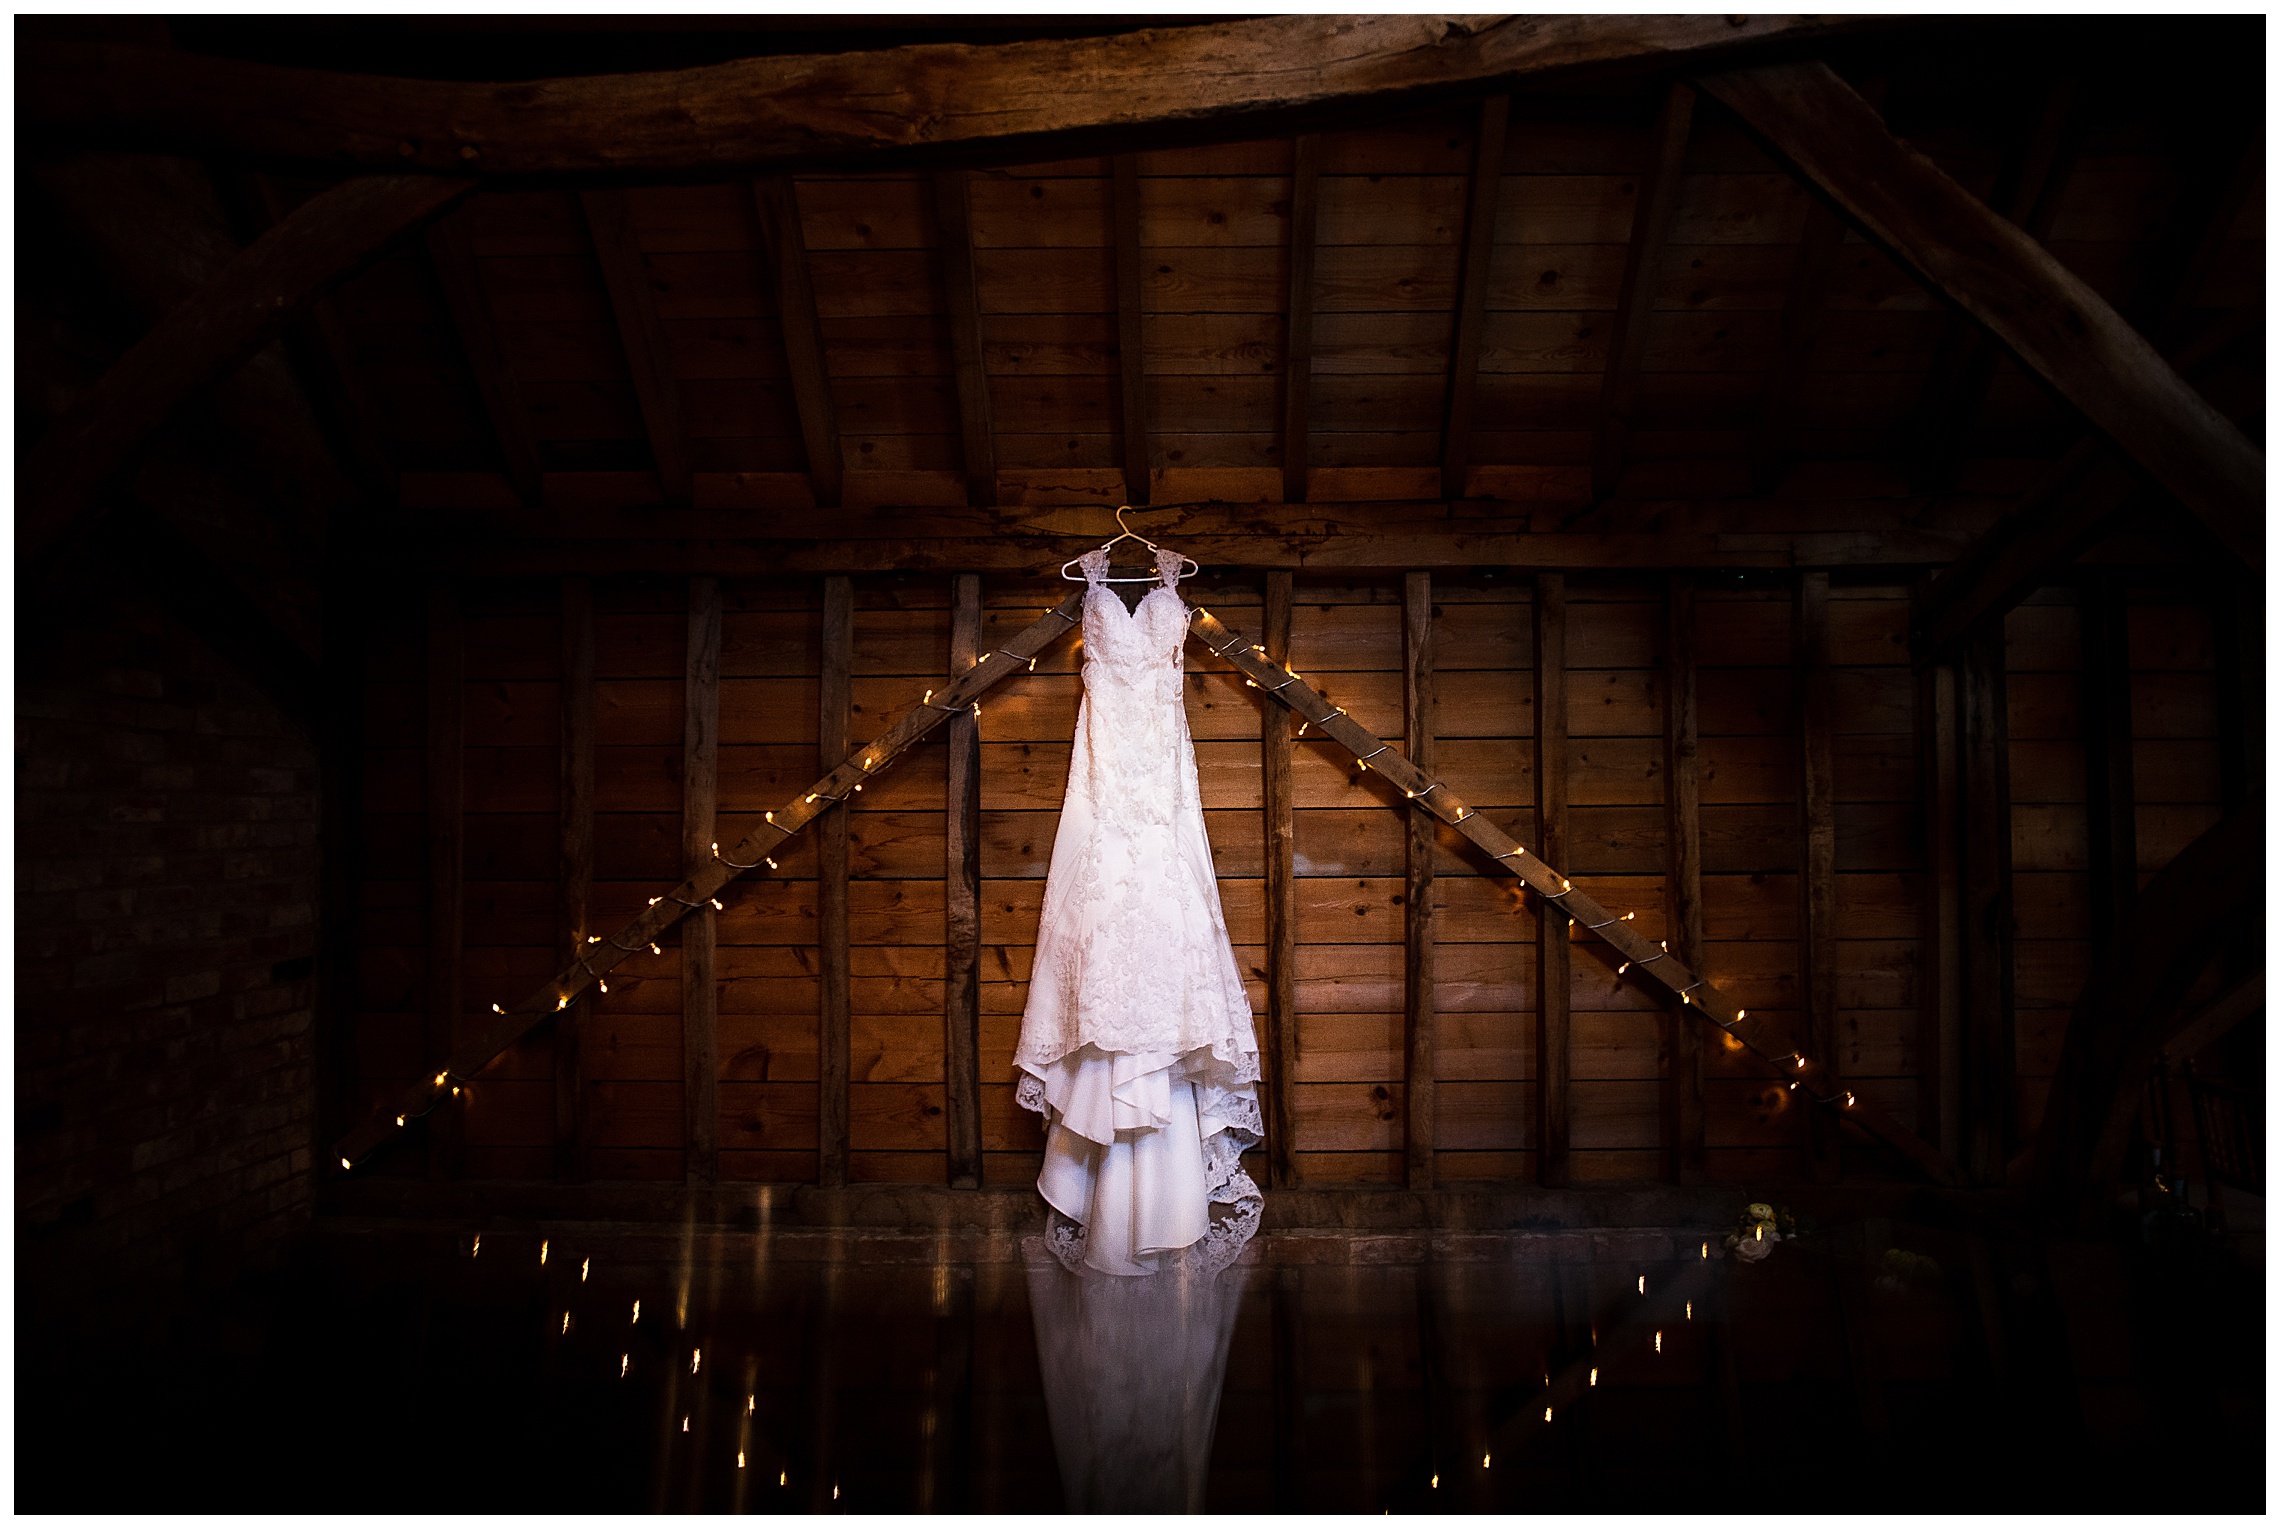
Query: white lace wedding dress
{"type": "Point", "coordinates": [1136, 1042]}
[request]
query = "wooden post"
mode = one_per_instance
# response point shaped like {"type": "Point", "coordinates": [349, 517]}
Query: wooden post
{"type": "Point", "coordinates": [787, 265]}
{"type": "Point", "coordinates": [1417, 889]}
{"type": "Point", "coordinates": [1817, 871]}
{"type": "Point", "coordinates": [954, 227]}
{"type": "Point", "coordinates": [446, 858]}
{"type": "Point", "coordinates": [1657, 203]}
{"type": "Point", "coordinates": [451, 253]}
{"type": "Point", "coordinates": [2109, 768]}
{"type": "Point", "coordinates": [1683, 798]}
{"type": "Point", "coordinates": [577, 876]}
{"type": "Point", "coordinates": [1551, 924]}
{"type": "Point", "coordinates": [1472, 294]}
{"type": "Point", "coordinates": [1986, 947]}
{"type": "Point", "coordinates": [700, 797]}
{"type": "Point", "coordinates": [1275, 746]}
{"type": "Point", "coordinates": [1131, 348]}
{"type": "Point", "coordinates": [832, 723]}
{"type": "Point", "coordinates": [1939, 1030]}
{"type": "Point", "coordinates": [962, 903]}
{"type": "Point", "coordinates": [1298, 316]}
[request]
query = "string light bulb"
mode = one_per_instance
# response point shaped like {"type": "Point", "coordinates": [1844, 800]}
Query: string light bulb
{"type": "Point", "coordinates": [1689, 1311]}
{"type": "Point", "coordinates": [542, 1246]}
{"type": "Point", "coordinates": [603, 983]}
{"type": "Point", "coordinates": [582, 1268]}
{"type": "Point", "coordinates": [442, 1078]}
{"type": "Point", "coordinates": [566, 1322]}
{"type": "Point", "coordinates": [1595, 1375]}
{"type": "Point", "coordinates": [654, 901]}
{"type": "Point", "coordinates": [625, 1363]}
{"type": "Point", "coordinates": [1658, 1341]}
{"type": "Point", "coordinates": [770, 816]}
{"type": "Point", "coordinates": [399, 1120]}
{"type": "Point", "coordinates": [1547, 1414]}
{"type": "Point", "coordinates": [716, 901]}
{"type": "Point", "coordinates": [740, 1459]}
{"type": "Point", "coordinates": [344, 1162]}
{"type": "Point", "coordinates": [1642, 1284]}
{"type": "Point", "coordinates": [636, 1311]}
{"type": "Point", "coordinates": [495, 1009]}
{"type": "Point", "coordinates": [696, 1358]}
{"type": "Point", "coordinates": [560, 1004]}
{"type": "Point", "coordinates": [656, 949]}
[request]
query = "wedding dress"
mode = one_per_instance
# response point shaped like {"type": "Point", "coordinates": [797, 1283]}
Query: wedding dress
{"type": "Point", "coordinates": [1136, 1041]}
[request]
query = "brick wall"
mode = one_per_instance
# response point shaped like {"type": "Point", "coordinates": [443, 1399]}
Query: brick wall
{"type": "Point", "coordinates": [166, 922]}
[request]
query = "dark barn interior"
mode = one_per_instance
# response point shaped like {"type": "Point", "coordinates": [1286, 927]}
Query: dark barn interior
{"type": "Point", "coordinates": [1761, 895]}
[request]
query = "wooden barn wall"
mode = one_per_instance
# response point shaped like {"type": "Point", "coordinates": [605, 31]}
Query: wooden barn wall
{"type": "Point", "coordinates": [1346, 638]}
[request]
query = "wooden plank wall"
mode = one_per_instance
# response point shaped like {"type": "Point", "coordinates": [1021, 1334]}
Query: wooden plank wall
{"type": "Point", "coordinates": [1349, 924]}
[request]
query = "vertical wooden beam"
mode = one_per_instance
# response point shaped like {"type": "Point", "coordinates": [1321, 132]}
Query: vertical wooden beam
{"type": "Point", "coordinates": [2109, 766]}
{"type": "Point", "coordinates": [1472, 294]}
{"type": "Point", "coordinates": [1682, 775]}
{"type": "Point", "coordinates": [1298, 315]}
{"type": "Point", "coordinates": [1817, 872]}
{"type": "Point", "coordinates": [954, 230]}
{"type": "Point", "coordinates": [962, 902]}
{"type": "Point", "coordinates": [451, 253]}
{"type": "Point", "coordinates": [1939, 1029]}
{"type": "Point", "coordinates": [700, 799]}
{"type": "Point", "coordinates": [446, 860]}
{"type": "Point", "coordinates": [1650, 231]}
{"type": "Point", "coordinates": [577, 874]}
{"type": "Point", "coordinates": [787, 263]}
{"type": "Point", "coordinates": [1417, 889]}
{"type": "Point", "coordinates": [1131, 348]}
{"type": "Point", "coordinates": [1800, 320]}
{"type": "Point", "coordinates": [1275, 747]}
{"type": "Point", "coordinates": [648, 358]}
{"type": "Point", "coordinates": [832, 722]}
{"type": "Point", "coordinates": [1552, 936]}
{"type": "Point", "coordinates": [1986, 947]}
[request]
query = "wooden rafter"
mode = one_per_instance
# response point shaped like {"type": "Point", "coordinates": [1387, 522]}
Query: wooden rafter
{"type": "Point", "coordinates": [451, 253]}
{"type": "Point", "coordinates": [222, 323]}
{"type": "Point", "coordinates": [1131, 326]}
{"type": "Point", "coordinates": [954, 228]}
{"type": "Point", "coordinates": [2048, 317]}
{"type": "Point", "coordinates": [1472, 293]}
{"type": "Point", "coordinates": [1657, 204]}
{"type": "Point", "coordinates": [787, 263]}
{"type": "Point", "coordinates": [1017, 99]}
{"type": "Point", "coordinates": [1298, 315]}
{"type": "Point", "coordinates": [648, 358]}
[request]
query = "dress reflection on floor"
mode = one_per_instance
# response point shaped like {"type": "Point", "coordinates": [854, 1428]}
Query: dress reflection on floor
{"type": "Point", "coordinates": [1132, 1368]}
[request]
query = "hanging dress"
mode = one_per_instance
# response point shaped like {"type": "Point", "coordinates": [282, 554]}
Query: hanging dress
{"type": "Point", "coordinates": [1136, 1041]}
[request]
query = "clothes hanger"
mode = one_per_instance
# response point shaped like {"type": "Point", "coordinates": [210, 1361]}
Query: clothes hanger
{"type": "Point", "coordinates": [1126, 533]}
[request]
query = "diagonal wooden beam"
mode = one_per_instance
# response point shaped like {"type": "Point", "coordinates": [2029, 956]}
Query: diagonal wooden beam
{"type": "Point", "coordinates": [225, 321]}
{"type": "Point", "coordinates": [954, 228]}
{"type": "Point", "coordinates": [648, 358]}
{"type": "Point", "coordinates": [605, 952]}
{"type": "Point", "coordinates": [451, 253]}
{"type": "Point", "coordinates": [1298, 315]}
{"type": "Point", "coordinates": [786, 252]}
{"type": "Point", "coordinates": [1472, 294]}
{"type": "Point", "coordinates": [1650, 232]}
{"type": "Point", "coordinates": [1766, 1040]}
{"type": "Point", "coordinates": [1017, 99]}
{"type": "Point", "coordinates": [2048, 317]}
{"type": "Point", "coordinates": [1131, 325]}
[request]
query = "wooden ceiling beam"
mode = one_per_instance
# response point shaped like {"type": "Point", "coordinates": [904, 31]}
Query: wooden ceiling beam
{"type": "Point", "coordinates": [1131, 325]}
{"type": "Point", "coordinates": [1656, 205]}
{"type": "Point", "coordinates": [2056, 325]}
{"type": "Point", "coordinates": [786, 258]}
{"type": "Point", "coordinates": [939, 100]}
{"type": "Point", "coordinates": [1472, 294]}
{"type": "Point", "coordinates": [1298, 316]}
{"type": "Point", "coordinates": [648, 358]}
{"type": "Point", "coordinates": [451, 254]}
{"type": "Point", "coordinates": [219, 325]}
{"type": "Point", "coordinates": [954, 228]}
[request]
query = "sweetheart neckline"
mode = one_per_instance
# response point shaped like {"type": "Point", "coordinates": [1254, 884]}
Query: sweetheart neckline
{"type": "Point", "coordinates": [1132, 612]}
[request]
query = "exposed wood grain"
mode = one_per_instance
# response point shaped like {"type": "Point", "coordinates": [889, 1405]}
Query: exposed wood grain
{"type": "Point", "coordinates": [1038, 98]}
{"type": "Point", "coordinates": [833, 718]}
{"type": "Point", "coordinates": [786, 258]}
{"type": "Point", "coordinates": [2108, 757]}
{"type": "Point", "coordinates": [700, 798]}
{"type": "Point", "coordinates": [648, 356]}
{"type": "Point", "coordinates": [222, 323]}
{"type": "Point", "coordinates": [1682, 774]}
{"type": "Point", "coordinates": [1417, 724]}
{"type": "Point", "coordinates": [576, 877]}
{"type": "Point", "coordinates": [1817, 841]}
{"type": "Point", "coordinates": [1472, 294]}
{"type": "Point", "coordinates": [1552, 920]}
{"type": "Point", "coordinates": [1275, 745]}
{"type": "Point", "coordinates": [1650, 232]}
{"type": "Point", "coordinates": [954, 230]}
{"type": "Point", "coordinates": [451, 254]}
{"type": "Point", "coordinates": [1988, 1047]}
{"type": "Point", "coordinates": [961, 902]}
{"type": "Point", "coordinates": [446, 857]}
{"type": "Point", "coordinates": [1131, 347]}
{"type": "Point", "coordinates": [1298, 316]}
{"type": "Point", "coordinates": [2049, 317]}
